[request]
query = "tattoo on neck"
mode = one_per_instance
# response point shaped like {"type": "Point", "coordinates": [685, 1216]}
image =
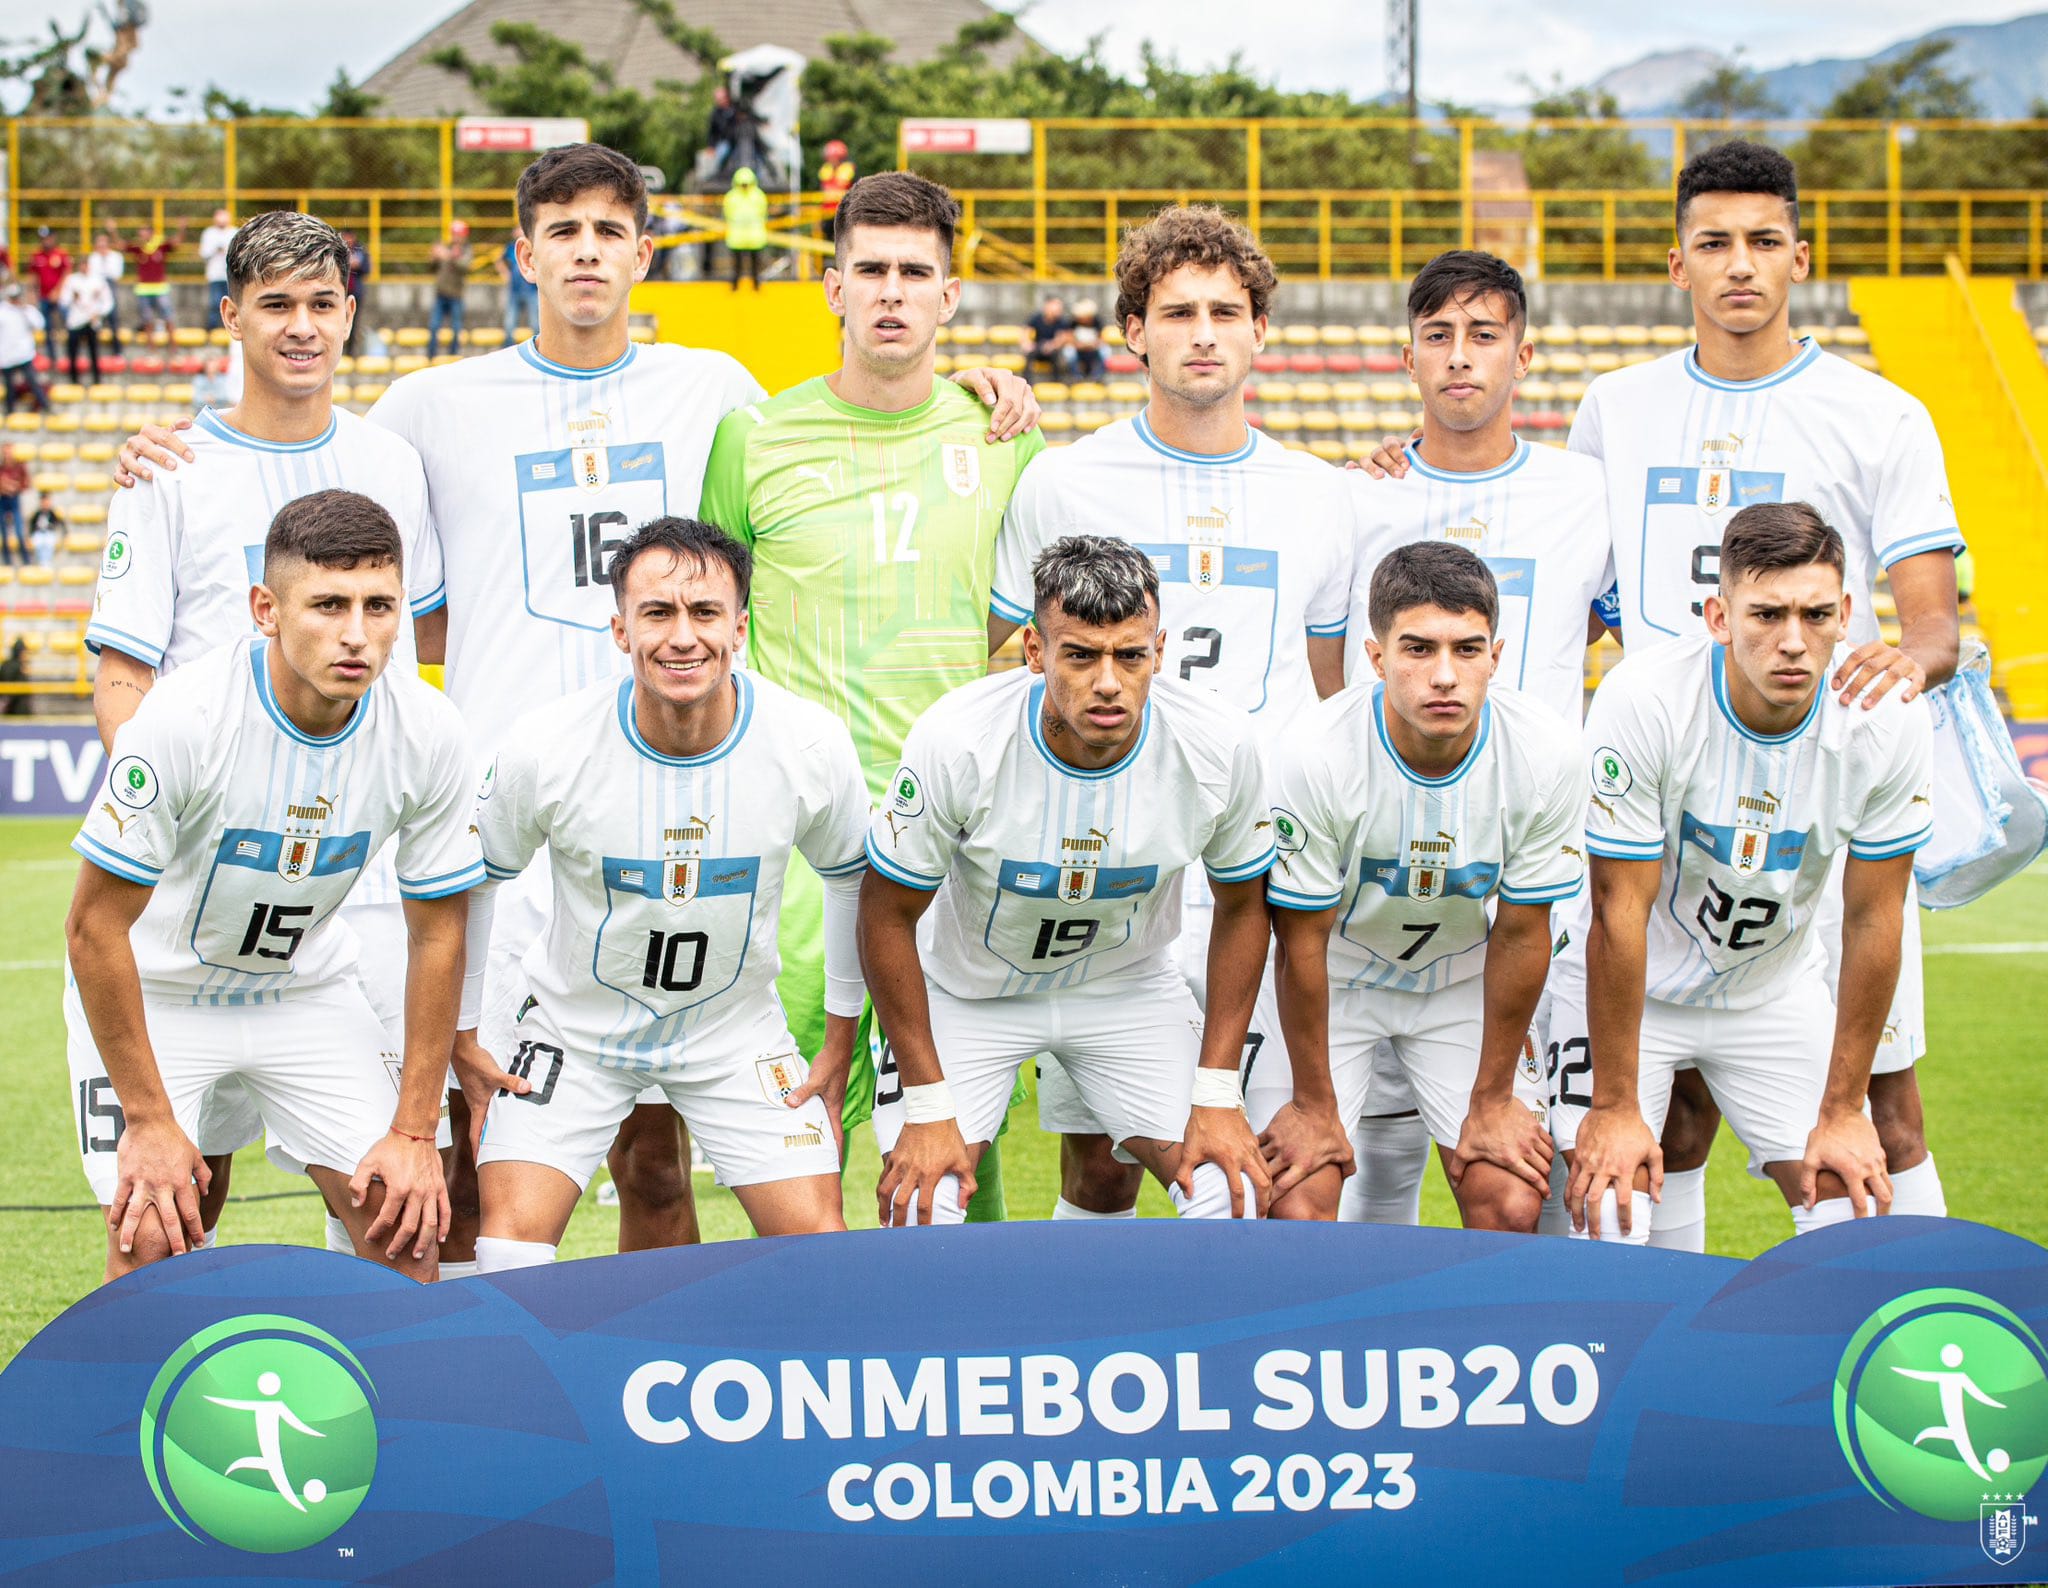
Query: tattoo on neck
{"type": "Point", "coordinates": [1053, 726]}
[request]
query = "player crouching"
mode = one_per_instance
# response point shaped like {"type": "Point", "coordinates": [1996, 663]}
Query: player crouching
{"type": "Point", "coordinates": [246, 795]}
{"type": "Point", "coordinates": [669, 803]}
{"type": "Point", "coordinates": [1725, 786]}
{"type": "Point", "coordinates": [1425, 826]}
{"type": "Point", "coordinates": [1050, 812]}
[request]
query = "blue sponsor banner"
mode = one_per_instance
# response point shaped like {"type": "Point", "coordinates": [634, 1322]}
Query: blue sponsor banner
{"type": "Point", "coordinates": [1031, 1404]}
{"type": "Point", "coordinates": [48, 769]}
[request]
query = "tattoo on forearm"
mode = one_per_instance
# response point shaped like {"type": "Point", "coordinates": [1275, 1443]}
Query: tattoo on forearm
{"type": "Point", "coordinates": [125, 683]}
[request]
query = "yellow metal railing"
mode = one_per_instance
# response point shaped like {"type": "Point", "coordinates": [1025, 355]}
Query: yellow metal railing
{"type": "Point", "coordinates": [1330, 197]}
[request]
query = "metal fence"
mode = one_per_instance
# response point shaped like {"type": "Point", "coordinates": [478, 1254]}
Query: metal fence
{"type": "Point", "coordinates": [1330, 198]}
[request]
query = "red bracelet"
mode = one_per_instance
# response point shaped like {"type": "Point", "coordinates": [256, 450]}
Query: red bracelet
{"type": "Point", "coordinates": [409, 1136]}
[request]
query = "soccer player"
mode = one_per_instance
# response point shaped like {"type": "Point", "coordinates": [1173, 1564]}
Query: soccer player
{"type": "Point", "coordinates": [1425, 826]}
{"type": "Point", "coordinates": [1253, 544]}
{"type": "Point", "coordinates": [1726, 789]}
{"type": "Point", "coordinates": [245, 797]}
{"type": "Point", "coordinates": [1050, 812]}
{"type": "Point", "coordinates": [871, 498]}
{"type": "Point", "coordinates": [669, 804]}
{"type": "Point", "coordinates": [184, 549]}
{"type": "Point", "coordinates": [1538, 516]}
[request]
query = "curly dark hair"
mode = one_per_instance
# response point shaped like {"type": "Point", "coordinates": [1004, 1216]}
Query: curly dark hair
{"type": "Point", "coordinates": [1739, 166]}
{"type": "Point", "coordinates": [1188, 234]}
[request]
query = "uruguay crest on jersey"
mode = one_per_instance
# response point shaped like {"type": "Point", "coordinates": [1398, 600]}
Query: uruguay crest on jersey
{"type": "Point", "coordinates": [682, 863]}
{"type": "Point", "coordinates": [304, 825]}
{"type": "Point", "coordinates": [1079, 860]}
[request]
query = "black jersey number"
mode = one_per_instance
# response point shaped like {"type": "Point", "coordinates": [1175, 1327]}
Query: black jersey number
{"type": "Point", "coordinates": [1213, 638]}
{"type": "Point", "coordinates": [664, 957]}
{"type": "Point", "coordinates": [1746, 920]}
{"type": "Point", "coordinates": [522, 1065]}
{"type": "Point", "coordinates": [275, 930]}
{"type": "Point", "coordinates": [1063, 939]}
{"type": "Point", "coordinates": [590, 550]}
{"type": "Point", "coordinates": [1706, 571]}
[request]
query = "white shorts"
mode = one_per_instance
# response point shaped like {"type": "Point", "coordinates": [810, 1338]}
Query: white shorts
{"type": "Point", "coordinates": [1128, 1048]}
{"type": "Point", "coordinates": [1389, 1047]}
{"type": "Point", "coordinates": [382, 953]}
{"type": "Point", "coordinates": [1766, 1067]}
{"type": "Point", "coordinates": [1904, 1040]}
{"type": "Point", "coordinates": [732, 1101]}
{"type": "Point", "coordinates": [318, 1067]}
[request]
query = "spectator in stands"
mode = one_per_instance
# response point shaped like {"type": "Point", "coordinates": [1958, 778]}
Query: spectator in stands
{"type": "Point", "coordinates": [45, 529]}
{"type": "Point", "coordinates": [835, 176]}
{"type": "Point", "coordinates": [51, 263]}
{"type": "Point", "coordinates": [213, 254]}
{"type": "Point", "coordinates": [15, 671]}
{"type": "Point", "coordinates": [110, 265]}
{"type": "Point", "coordinates": [723, 128]}
{"type": "Point", "coordinates": [153, 305]}
{"type": "Point", "coordinates": [18, 323]}
{"type": "Point", "coordinates": [522, 297]}
{"type": "Point", "coordinates": [451, 274]}
{"type": "Point", "coordinates": [358, 267]}
{"type": "Point", "coordinates": [1049, 339]}
{"type": "Point", "coordinates": [1085, 340]}
{"type": "Point", "coordinates": [746, 226]}
{"type": "Point", "coordinates": [85, 300]}
{"type": "Point", "coordinates": [13, 483]}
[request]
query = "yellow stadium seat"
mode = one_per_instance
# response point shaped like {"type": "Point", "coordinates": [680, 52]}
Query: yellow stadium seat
{"type": "Point", "coordinates": [6, 573]}
{"type": "Point", "coordinates": [2041, 332]}
{"type": "Point", "coordinates": [82, 543]}
{"type": "Point", "coordinates": [133, 419]}
{"type": "Point", "coordinates": [1639, 355]}
{"type": "Point", "coordinates": [1006, 336]}
{"type": "Point", "coordinates": [408, 336]}
{"type": "Point", "coordinates": [218, 337]}
{"type": "Point", "coordinates": [181, 393]}
{"type": "Point", "coordinates": [368, 391]}
{"type": "Point", "coordinates": [1632, 336]}
{"type": "Point", "coordinates": [92, 484]}
{"type": "Point", "coordinates": [1600, 363]}
{"type": "Point", "coordinates": [1329, 449]}
{"type": "Point", "coordinates": [36, 574]}
{"type": "Point", "coordinates": [1568, 363]}
{"type": "Point", "coordinates": [61, 424]}
{"type": "Point", "coordinates": [1361, 448]}
{"type": "Point", "coordinates": [1385, 392]}
{"type": "Point", "coordinates": [1013, 362]}
{"type": "Point", "coordinates": [1337, 335]}
{"type": "Point", "coordinates": [1555, 336]}
{"type": "Point", "coordinates": [456, 358]}
{"type": "Point", "coordinates": [406, 363]}
{"type": "Point", "coordinates": [188, 336]}
{"type": "Point", "coordinates": [87, 512]}
{"type": "Point", "coordinates": [71, 644]}
{"type": "Point", "coordinates": [1539, 362]}
{"type": "Point", "coordinates": [1381, 336]}
{"type": "Point", "coordinates": [942, 363]}
{"type": "Point", "coordinates": [1571, 391]}
{"type": "Point", "coordinates": [1319, 420]}
{"type": "Point", "coordinates": [969, 335]}
{"type": "Point", "coordinates": [96, 452]}
{"type": "Point", "coordinates": [1358, 420]}
{"type": "Point", "coordinates": [1092, 419]}
{"type": "Point", "coordinates": [56, 452]}
{"type": "Point", "coordinates": [1596, 336]}
{"type": "Point", "coordinates": [64, 391]}
{"type": "Point", "coordinates": [373, 364]}
{"type": "Point", "coordinates": [1671, 335]}
{"type": "Point", "coordinates": [1350, 391]}
{"type": "Point", "coordinates": [487, 336]}
{"type": "Point", "coordinates": [74, 575]}
{"type": "Point", "coordinates": [345, 365]}
{"type": "Point", "coordinates": [48, 482]}
{"type": "Point", "coordinates": [25, 424]}
{"type": "Point", "coordinates": [1537, 391]}
{"type": "Point", "coordinates": [141, 391]}
{"type": "Point", "coordinates": [1296, 444]}
{"type": "Point", "coordinates": [1298, 336]}
{"type": "Point", "coordinates": [1088, 391]}
{"type": "Point", "coordinates": [1056, 423]}
{"type": "Point", "coordinates": [634, 333]}
{"type": "Point", "coordinates": [1311, 392]}
{"type": "Point", "coordinates": [1851, 336]}
{"type": "Point", "coordinates": [1283, 424]}
{"type": "Point", "coordinates": [1050, 391]}
{"type": "Point", "coordinates": [1127, 393]}
{"type": "Point", "coordinates": [102, 424]}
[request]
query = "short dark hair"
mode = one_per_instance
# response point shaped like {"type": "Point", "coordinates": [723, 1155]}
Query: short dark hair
{"type": "Point", "coordinates": [1774, 535]}
{"type": "Point", "coordinates": [1431, 573]}
{"type": "Point", "coordinates": [332, 529]}
{"type": "Point", "coordinates": [1094, 579]}
{"type": "Point", "coordinates": [1189, 234]}
{"type": "Point", "coordinates": [688, 540]}
{"type": "Point", "coordinates": [898, 198]}
{"type": "Point", "coordinates": [1461, 275]}
{"type": "Point", "coordinates": [1739, 166]}
{"type": "Point", "coordinates": [558, 176]}
{"type": "Point", "coordinates": [284, 245]}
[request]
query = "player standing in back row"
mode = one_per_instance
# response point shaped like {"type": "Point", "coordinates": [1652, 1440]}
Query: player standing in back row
{"type": "Point", "coordinates": [1253, 544]}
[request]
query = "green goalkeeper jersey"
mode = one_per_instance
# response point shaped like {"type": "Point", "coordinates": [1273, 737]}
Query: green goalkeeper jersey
{"type": "Point", "coordinates": [874, 541]}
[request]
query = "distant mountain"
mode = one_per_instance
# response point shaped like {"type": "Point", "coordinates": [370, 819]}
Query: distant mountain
{"type": "Point", "coordinates": [2006, 62]}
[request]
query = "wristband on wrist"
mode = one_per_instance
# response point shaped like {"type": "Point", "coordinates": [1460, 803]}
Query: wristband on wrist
{"type": "Point", "coordinates": [927, 1105]}
{"type": "Point", "coordinates": [409, 1136]}
{"type": "Point", "coordinates": [1217, 1089]}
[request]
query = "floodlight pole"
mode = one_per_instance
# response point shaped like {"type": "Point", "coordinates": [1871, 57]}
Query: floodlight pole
{"type": "Point", "coordinates": [1401, 55]}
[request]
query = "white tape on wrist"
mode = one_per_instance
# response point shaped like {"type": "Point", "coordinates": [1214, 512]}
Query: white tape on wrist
{"type": "Point", "coordinates": [1217, 1089]}
{"type": "Point", "coordinates": [927, 1105]}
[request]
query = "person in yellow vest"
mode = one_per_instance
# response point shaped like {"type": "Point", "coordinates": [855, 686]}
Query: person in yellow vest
{"type": "Point", "coordinates": [835, 176]}
{"type": "Point", "coordinates": [746, 226]}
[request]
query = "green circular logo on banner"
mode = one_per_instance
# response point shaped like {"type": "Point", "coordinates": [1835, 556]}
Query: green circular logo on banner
{"type": "Point", "coordinates": [258, 1433]}
{"type": "Point", "coordinates": [1941, 1402]}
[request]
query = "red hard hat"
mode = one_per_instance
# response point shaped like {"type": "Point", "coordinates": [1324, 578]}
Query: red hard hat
{"type": "Point", "coordinates": [835, 150]}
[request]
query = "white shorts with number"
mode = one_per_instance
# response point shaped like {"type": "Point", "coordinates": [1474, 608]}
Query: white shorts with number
{"type": "Point", "coordinates": [1390, 1048]}
{"type": "Point", "coordinates": [1904, 1041]}
{"type": "Point", "coordinates": [1766, 1067]}
{"type": "Point", "coordinates": [731, 1096]}
{"type": "Point", "coordinates": [317, 1067]}
{"type": "Point", "coordinates": [1128, 1050]}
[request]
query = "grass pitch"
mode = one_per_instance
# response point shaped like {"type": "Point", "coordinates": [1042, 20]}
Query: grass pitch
{"type": "Point", "coordinates": [1985, 1084]}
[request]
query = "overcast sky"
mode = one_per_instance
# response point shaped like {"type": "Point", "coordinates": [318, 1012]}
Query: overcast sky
{"type": "Point", "coordinates": [1473, 51]}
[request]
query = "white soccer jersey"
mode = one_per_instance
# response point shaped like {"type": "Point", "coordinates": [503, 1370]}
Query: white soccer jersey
{"type": "Point", "coordinates": [184, 548]}
{"type": "Point", "coordinates": [1683, 451]}
{"type": "Point", "coordinates": [1412, 864]}
{"type": "Point", "coordinates": [1254, 552]}
{"type": "Point", "coordinates": [1049, 876]}
{"type": "Point", "coordinates": [1540, 523]}
{"type": "Point", "coordinates": [667, 871]}
{"type": "Point", "coordinates": [1745, 824]}
{"type": "Point", "coordinates": [535, 473]}
{"type": "Point", "coordinates": [252, 833]}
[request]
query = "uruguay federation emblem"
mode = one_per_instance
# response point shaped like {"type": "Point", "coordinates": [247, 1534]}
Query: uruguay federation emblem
{"type": "Point", "coordinates": [1429, 863]}
{"type": "Point", "coordinates": [1754, 814]}
{"type": "Point", "coordinates": [1079, 858]}
{"type": "Point", "coordinates": [1718, 456]}
{"type": "Point", "coordinates": [303, 825]}
{"type": "Point", "coordinates": [2002, 1527]}
{"type": "Point", "coordinates": [962, 466]}
{"type": "Point", "coordinates": [1205, 565]}
{"type": "Point", "coordinates": [593, 468]}
{"type": "Point", "coordinates": [682, 860]}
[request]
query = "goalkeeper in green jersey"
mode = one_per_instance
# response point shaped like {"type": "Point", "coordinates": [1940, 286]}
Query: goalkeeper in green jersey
{"type": "Point", "coordinates": [872, 498]}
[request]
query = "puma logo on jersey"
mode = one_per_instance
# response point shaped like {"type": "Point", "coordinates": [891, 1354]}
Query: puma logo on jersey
{"type": "Point", "coordinates": [1216, 520]}
{"type": "Point", "coordinates": [1604, 808]}
{"type": "Point", "coordinates": [120, 822]}
{"type": "Point", "coordinates": [1474, 528]}
{"type": "Point", "coordinates": [826, 477]}
{"type": "Point", "coordinates": [1566, 849]}
{"type": "Point", "coordinates": [1919, 799]}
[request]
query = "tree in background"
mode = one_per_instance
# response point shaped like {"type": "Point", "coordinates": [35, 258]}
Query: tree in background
{"type": "Point", "coordinates": [1730, 92]}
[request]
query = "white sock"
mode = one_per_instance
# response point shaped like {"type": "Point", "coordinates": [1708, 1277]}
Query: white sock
{"type": "Point", "coordinates": [1392, 1153]}
{"type": "Point", "coordinates": [1063, 1210]}
{"type": "Point", "coordinates": [1680, 1224]}
{"type": "Point", "coordinates": [1212, 1195]}
{"type": "Point", "coordinates": [468, 1270]}
{"type": "Point", "coordinates": [1555, 1219]}
{"type": "Point", "coordinates": [1610, 1220]}
{"type": "Point", "coordinates": [495, 1255]}
{"type": "Point", "coordinates": [1918, 1190]}
{"type": "Point", "coordinates": [1836, 1210]}
{"type": "Point", "coordinates": [338, 1239]}
{"type": "Point", "coordinates": [946, 1205]}
{"type": "Point", "coordinates": [208, 1240]}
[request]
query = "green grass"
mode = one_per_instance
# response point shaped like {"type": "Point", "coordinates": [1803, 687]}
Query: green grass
{"type": "Point", "coordinates": [1986, 1087]}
